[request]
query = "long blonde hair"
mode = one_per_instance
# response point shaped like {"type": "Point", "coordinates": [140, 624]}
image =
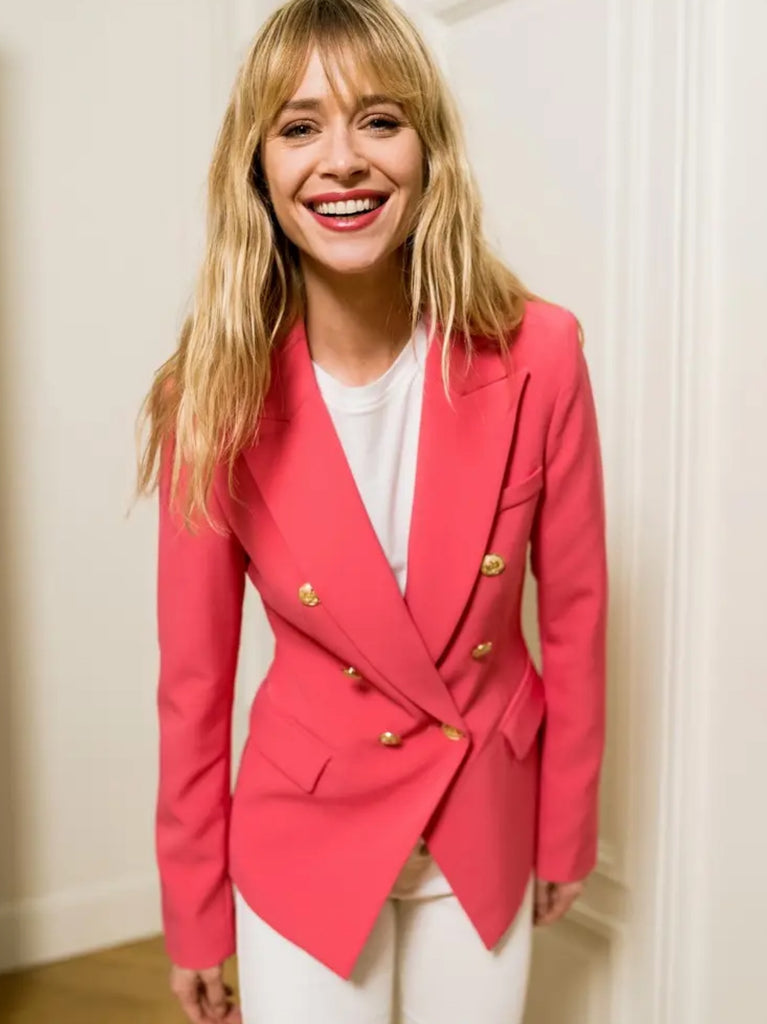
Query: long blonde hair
{"type": "Point", "coordinates": [208, 396]}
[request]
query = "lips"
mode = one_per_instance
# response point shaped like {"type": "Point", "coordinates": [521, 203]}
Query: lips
{"type": "Point", "coordinates": [347, 214]}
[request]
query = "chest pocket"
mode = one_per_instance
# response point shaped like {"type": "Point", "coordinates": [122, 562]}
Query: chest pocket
{"type": "Point", "coordinates": [517, 491]}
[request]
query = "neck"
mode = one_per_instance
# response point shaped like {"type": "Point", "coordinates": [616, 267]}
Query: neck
{"type": "Point", "coordinates": [356, 324]}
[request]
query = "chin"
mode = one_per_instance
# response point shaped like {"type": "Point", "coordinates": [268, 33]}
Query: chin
{"type": "Point", "coordinates": [352, 269]}
{"type": "Point", "coordinates": [351, 264]}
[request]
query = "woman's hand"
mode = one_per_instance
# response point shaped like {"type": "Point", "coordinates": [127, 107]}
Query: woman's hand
{"type": "Point", "coordinates": [203, 996]}
{"type": "Point", "coordinates": [553, 899]}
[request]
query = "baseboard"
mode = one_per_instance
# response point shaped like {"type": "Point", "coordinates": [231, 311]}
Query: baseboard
{"type": "Point", "coordinates": [78, 921]}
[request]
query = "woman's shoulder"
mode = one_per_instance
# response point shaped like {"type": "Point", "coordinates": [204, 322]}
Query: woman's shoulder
{"type": "Point", "coordinates": [549, 324]}
{"type": "Point", "coordinates": [549, 341]}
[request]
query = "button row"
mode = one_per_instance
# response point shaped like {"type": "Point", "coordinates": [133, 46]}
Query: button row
{"type": "Point", "coordinates": [392, 739]}
{"type": "Point", "coordinates": [492, 565]}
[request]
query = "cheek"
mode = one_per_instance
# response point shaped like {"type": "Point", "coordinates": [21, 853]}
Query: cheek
{"type": "Point", "coordinates": [414, 177]}
{"type": "Point", "coordinates": [279, 192]}
{"type": "Point", "coordinates": [283, 178]}
{"type": "Point", "coordinates": [282, 195]}
{"type": "Point", "coordinates": [404, 166]}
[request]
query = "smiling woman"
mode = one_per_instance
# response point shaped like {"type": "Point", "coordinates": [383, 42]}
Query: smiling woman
{"type": "Point", "coordinates": [335, 99]}
{"type": "Point", "coordinates": [389, 402]}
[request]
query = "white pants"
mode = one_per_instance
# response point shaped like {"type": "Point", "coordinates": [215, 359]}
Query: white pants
{"type": "Point", "coordinates": [423, 963]}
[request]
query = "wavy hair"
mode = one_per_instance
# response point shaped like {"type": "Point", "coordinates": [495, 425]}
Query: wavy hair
{"type": "Point", "coordinates": [206, 399]}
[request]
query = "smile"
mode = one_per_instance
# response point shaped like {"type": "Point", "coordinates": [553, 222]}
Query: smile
{"type": "Point", "coordinates": [348, 214]}
{"type": "Point", "coordinates": [348, 207]}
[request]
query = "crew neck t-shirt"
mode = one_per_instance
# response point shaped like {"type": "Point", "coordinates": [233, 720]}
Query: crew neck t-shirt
{"type": "Point", "coordinates": [378, 425]}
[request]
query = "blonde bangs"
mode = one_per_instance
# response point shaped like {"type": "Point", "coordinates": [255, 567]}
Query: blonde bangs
{"type": "Point", "coordinates": [359, 54]}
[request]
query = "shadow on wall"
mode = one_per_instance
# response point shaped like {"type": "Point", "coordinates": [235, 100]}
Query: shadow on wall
{"type": "Point", "coordinates": [11, 604]}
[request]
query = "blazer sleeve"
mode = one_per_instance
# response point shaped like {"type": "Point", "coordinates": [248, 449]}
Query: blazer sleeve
{"type": "Point", "coordinates": [569, 561]}
{"type": "Point", "coordinates": [200, 586]}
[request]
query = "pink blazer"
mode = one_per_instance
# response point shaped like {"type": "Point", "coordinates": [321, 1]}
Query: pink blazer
{"type": "Point", "coordinates": [382, 718]}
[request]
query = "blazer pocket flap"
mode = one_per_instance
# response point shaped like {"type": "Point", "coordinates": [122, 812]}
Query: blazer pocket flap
{"type": "Point", "coordinates": [521, 490]}
{"type": "Point", "coordinates": [522, 718]}
{"type": "Point", "coordinates": [289, 745]}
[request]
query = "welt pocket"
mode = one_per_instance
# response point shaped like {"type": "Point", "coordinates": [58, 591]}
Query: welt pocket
{"type": "Point", "coordinates": [287, 743]}
{"type": "Point", "coordinates": [524, 713]}
{"type": "Point", "coordinates": [520, 490]}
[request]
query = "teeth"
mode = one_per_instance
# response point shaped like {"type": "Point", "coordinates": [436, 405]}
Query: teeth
{"type": "Point", "coordinates": [347, 207]}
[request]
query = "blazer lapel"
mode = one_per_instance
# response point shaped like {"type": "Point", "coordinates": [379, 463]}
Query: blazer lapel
{"type": "Point", "coordinates": [302, 473]}
{"type": "Point", "coordinates": [462, 458]}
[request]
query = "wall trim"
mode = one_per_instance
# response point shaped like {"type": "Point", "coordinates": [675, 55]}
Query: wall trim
{"type": "Point", "coordinates": [680, 895]}
{"type": "Point", "coordinates": [78, 921]}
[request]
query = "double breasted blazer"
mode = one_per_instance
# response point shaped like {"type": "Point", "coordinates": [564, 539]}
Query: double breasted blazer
{"type": "Point", "coordinates": [384, 716]}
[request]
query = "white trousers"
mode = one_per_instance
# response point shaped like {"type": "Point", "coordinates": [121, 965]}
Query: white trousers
{"type": "Point", "coordinates": [423, 963]}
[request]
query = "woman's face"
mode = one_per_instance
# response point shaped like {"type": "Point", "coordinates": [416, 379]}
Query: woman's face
{"type": "Point", "coordinates": [319, 153]}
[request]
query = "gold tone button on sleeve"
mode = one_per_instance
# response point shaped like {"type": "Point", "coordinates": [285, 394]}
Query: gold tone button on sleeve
{"type": "Point", "coordinates": [492, 565]}
{"type": "Point", "coordinates": [390, 739]}
{"type": "Point", "coordinates": [352, 673]}
{"type": "Point", "coordinates": [482, 649]}
{"type": "Point", "coordinates": [308, 595]}
{"type": "Point", "coordinates": [452, 731]}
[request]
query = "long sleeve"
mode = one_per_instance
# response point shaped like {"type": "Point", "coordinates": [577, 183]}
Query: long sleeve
{"type": "Point", "coordinates": [568, 558]}
{"type": "Point", "coordinates": [200, 587]}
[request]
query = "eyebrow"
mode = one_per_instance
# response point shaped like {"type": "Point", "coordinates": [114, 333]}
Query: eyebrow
{"type": "Point", "coordinates": [312, 103]}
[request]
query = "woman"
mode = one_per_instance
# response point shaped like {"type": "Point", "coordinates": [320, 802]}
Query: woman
{"type": "Point", "coordinates": [370, 417]}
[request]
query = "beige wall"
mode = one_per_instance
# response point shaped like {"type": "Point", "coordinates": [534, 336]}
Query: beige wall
{"type": "Point", "coordinates": [108, 110]}
{"type": "Point", "coordinates": [734, 846]}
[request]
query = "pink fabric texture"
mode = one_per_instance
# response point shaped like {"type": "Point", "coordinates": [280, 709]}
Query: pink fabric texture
{"type": "Point", "coordinates": [497, 764]}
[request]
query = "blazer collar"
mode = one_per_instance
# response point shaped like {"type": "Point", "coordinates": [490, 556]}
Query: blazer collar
{"type": "Point", "coordinates": [294, 381]}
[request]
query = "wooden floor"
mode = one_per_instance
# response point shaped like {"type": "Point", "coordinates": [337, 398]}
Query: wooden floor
{"type": "Point", "coordinates": [121, 985]}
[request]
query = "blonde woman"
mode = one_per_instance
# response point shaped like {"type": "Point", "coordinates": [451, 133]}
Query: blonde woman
{"type": "Point", "coordinates": [369, 417]}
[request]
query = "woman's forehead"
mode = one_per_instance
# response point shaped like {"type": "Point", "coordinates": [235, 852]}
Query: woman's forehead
{"type": "Point", "coordinates": [324, 73]}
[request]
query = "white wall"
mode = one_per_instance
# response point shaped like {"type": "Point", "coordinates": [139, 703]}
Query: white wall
{"type": "Point", "coordinates": [735, 848]}
{"type": "Point", "coordinates": [108, 110]}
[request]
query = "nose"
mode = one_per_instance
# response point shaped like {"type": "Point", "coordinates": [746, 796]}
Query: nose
{"type": "Point", "coordinates": [341, 156]}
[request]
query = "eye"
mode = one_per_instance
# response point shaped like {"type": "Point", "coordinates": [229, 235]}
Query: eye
{"type": "Point", "coordinates": [293, 131]}
{"type": "Point", "coordinates": [379, 124]}
{"type": "Point", "coordinates": [384, 123]}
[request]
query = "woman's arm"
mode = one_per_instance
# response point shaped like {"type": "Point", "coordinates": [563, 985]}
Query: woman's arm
{"type": "Point", "coordinates": [569, 560]}
{"type": "Point", "coordinates": [200, 586]}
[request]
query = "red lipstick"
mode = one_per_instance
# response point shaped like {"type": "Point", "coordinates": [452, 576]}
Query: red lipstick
{"type": "Point", "coordinates": [351, 221]}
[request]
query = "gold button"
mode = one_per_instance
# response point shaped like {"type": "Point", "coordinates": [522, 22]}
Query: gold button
{"type": "Point", "coordinates": [390, 739]}
{"type": "Point", "coordinates": [492, 565]}
{"type": "Point", "coordinates": [352, 672]}
{"type": "Point", "coordinates": [482, 649]}
{"type": "Point", "coordinates": [308, 595]}
{"type": "Point", "coordinates": [451, 731]}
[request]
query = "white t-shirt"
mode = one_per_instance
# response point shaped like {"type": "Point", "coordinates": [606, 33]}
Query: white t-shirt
{"type": "Point", "coordinates": [378, 425]}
